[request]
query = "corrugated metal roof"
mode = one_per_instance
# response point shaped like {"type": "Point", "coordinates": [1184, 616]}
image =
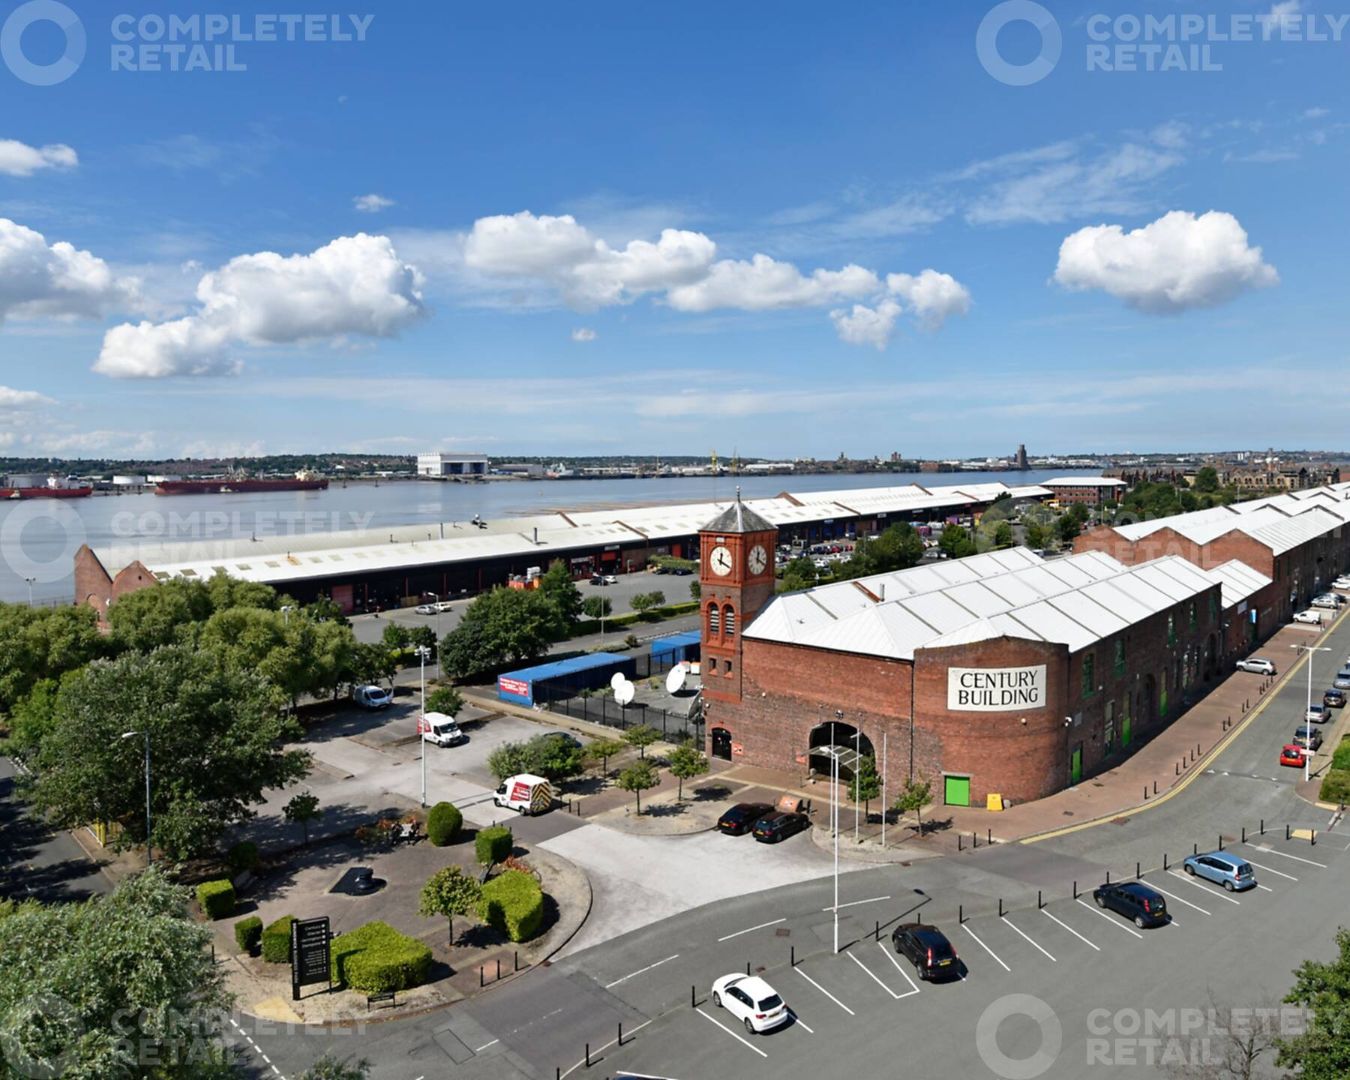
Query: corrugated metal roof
{"type": "Point", "coordinates": [1083, 481]}
{"type": "Point", "coordinates": [557, 668]}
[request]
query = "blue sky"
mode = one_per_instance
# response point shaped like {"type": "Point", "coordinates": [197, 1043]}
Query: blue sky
{"type": "Point", "coordinates": [792, 229]}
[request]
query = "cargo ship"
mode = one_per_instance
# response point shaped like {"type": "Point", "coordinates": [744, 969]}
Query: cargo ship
{"type": "Point", "coordinates": [239, 485]}
{"type": "Point", "coordinates": [45, 492]}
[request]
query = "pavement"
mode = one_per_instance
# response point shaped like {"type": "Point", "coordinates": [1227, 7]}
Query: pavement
{"type": "Point", "coordinates": [39, 863]}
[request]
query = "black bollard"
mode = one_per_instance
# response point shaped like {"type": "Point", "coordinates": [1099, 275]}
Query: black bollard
{"type": "Point", "coordinates": [1039, 904]}
{"type": "Point", "coordinates": [1312, 839]}
{"type": "Point", "coordinates": [588, 1055]}
{"type": "Point", "coordinates": [960, 914]}
{"type": "Point", "coordinates": [1108, 877]}
{"type": "Point", "coordinates": [1195, 849]}
{"type": "Point", "coordinates": [1220, 841]}
{"type": "Point", "coordinates": [876, 933]}
{"type": "Point", "coordinates": [1000, 907]}
{"type": "Point", "coordinates": [693, 997]}
{"type": "Point", "coordinates": [1286, 832]}
{"type": "Point", "coordinates": [959, 842]}
{"type": "Point", "coordinates": [1137, 874]}
{"type": "Point", "coordinates": [499, 967]}
{"type": "Point", "coordinates": [792, 956]}
{"type": "Point", "coordinates": [1263, 826]}
{"type": "Point", "coordinates": [1244, 834]}
{"type": "Point", "coordinates": [991, 836]}
{"type": "Point", "coordinates": [1155, 787]}
{"type": "Point", "coordinates": [1164, 862]}
{"type": "Point", "coordinates": [1075, 890]}
{"type": "Point", "coordinates": [481, 978]}
{"type": "Point", "coordinates": [620, 1032]}
{"type": "Point", "coordinates": [747, 967]}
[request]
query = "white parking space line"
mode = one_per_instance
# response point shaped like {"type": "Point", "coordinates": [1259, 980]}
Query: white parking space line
{"type": "Point", "coordinates": [641, 971]}
{"type": "Point", "coordinates": [728, 1030]}
{"type": "Point", "coordinates": [480, 1049]}
{"type": "Point", "coordinates": [1264, 888]}
{"type": "Point", "coordinates": [1071, 930]}
{"type": "Point", "coordinates": [891, 957]}
{"type": "Point", "coordinates": [1009, 922]}
{"type": "Point", "coordinates": [1189, 880]}
{"type": "Point", "coordinates": [1113, 922]}
{"type": "Point", "coordinates": [822, 989]}
{"type": "Point", "coordinates": [751, 929]}
{"type": "Point", "coordinates": [1179, 900]}
{"type": "Point", "coordinates": [855, 903]}
{"type": "Point", "coordinates": [596, 1050]}
{"type": "Point", "coordinates": [873, 977]}
{"type": "Point", "coordinates": [797, 1021]}
{"type": "Point", "coordinates": [1286, 855]}
{"type": "Point", "coordinates": [986, 948]}
{"type": "Point", "coordinates": [1277, 873]}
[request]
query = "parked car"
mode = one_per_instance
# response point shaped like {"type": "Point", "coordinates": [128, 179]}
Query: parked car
{"type": "Point", "coordinates": [1308, 737]}
{"type": "Point", "coordinates": [1326, 600]}
{"type": "Point", "coordinates": [1135, 901]}
{"type": "Point", "coordinates": [1292, 756]}
{"type": "Point", "coordinates": [610, 579]}
{"type": "Point", "coordinates": [1313, 617]}
{"type": "Point", "coordinates": [1317, 714]}
{"type": "Point", "coordinates": [1230, 871]}
{"type": "Point", "coordinates": [563, 736]}
{"type": "Point", "coordinates": [1333, 699]}
{"type": "Point", "coordinates": [425, 609]}
{"type": "Point", "coordinates": [1257, 665]}
{"type": "Point", "coordinates": [741, 818]}
{"type": "Point", "coordinates": [371, 696]}
{"type": "Point", "coordinates": [779, 825]}
{"type": "Point", "coordinates": [928, 950]}
{"type": "Point", "coordinates": [1341, 583]}
{"type": "Point", "coordinates": [441, 730]}
{"type": "Point", "coordinates": [751, 1000]}
{"type": "Point", "coordinates": [597, 579]}
{"type": "Point", "coordinates": [1341, 681]}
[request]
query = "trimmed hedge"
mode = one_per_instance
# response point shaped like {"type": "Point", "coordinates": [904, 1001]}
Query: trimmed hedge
{"type": "Point", "coordinates": [443, 824]}
{"type": "Point", "coordinates": [513, 903]}
{"type": "Point", "coordinates": [276, 941]}
{"type": "Point", "coordinates": [216, 898]}
{"type": "Point", "coordinates": [493, 844]}
{"type": "Point", "coordinates": [1336, 786]}
{"type": "Point", "coordinates": [243, 856]}
{"type": "Point", "coordinates": [1341, 758]}
{"type": "Point", "coordinates": [376, 958]}
{"type": "Point", "coordinates": [248, 933]}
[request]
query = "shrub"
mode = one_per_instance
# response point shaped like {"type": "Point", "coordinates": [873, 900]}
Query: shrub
{"type": "Point", "coordinates": [248, 933]}
{"type": "Point", "coordinates": [243, 856]}
{"type": "Point", "coordinates": [376, 958]}
{"type": "Point", "coordinates": [1341, 758]}
{"type": "Point", "coordinates": [216, 898]}
{"type": "Point", "coordinates": [276, 941]}
{"type": "Point", "coordinates": [443, 823]}
{"type": "Point", "coordinates": [493, 844]}
{"type": "Point", "coordinates": [513, 903]}
{"type": "Point", "coordinates": [1336, 786]}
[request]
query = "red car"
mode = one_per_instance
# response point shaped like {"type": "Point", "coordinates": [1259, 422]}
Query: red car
{"type": "Point", "coordinates": [1292, 755]}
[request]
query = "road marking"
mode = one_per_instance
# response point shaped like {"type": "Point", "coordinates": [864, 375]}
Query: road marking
{"type": "Point", "coordinates": [985, 947]}
{"type": "Point", "coordinates": [855, 903]}
{"type": "Point", "coordinates": [728, 1030]}
{"type": "Point", "coordinates": [751, 929]}
{"type": "Point", "coordinates": [1277, 873]}
{"type": "Point", "coordinates": [891, 957]}
{"type": "Point", "coordinates": [606, 1046]}
{"type": "Point", "coordinates": [1178, 899]}
{"type": "Point", "coordinates": [1015, 927]}
{"type": "Point", "coordinates": [822, 989]}
{"type": "Point", "coordinates": [1071, 930]}
{"type": "Point", "coordinates": [797, 1021]}
{"type": "Point", "coordinates": [1264, 888]}
{"type": "Point", "coordinates": [1190, 880]}
{"type": "Point", "coordinates": [877, 980]}
{"type": "Point", "coordinates": [1113, 922]}
{"type": "Point", "coordinates": [1285, 854]}
{"type": "Point", "coordinates": [494, 1042]}
{"type": "Point", "coordinates": [640, 971]}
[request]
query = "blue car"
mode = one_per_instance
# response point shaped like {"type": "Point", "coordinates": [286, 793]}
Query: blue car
{"type": "Point", "coordinates": [1230, 871]}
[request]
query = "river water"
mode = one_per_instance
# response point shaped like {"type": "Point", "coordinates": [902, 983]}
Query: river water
{"type": "Point", "coordinates": [39, 537]}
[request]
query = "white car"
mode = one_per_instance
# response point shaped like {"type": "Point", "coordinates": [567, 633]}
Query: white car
{"type": "Point", "coordinates": [610, 579]}
{"type": "Point", "coordinates": [1313, 617]}
{"type": "Point", "coordinates": [751, 1000]}
{"type": "Point", "coordinates": [1256, 665]}
{"type": "Point", "coordinates": [1341, 583]}
{"type": "Point", "coordinates": [1326, 600]}
{"type": "Point", "coordinates": [1317, 714]}
{"type": "Point", "coordinates": [425, 609]}
{"type": "Point", "coordinates": [371, 696]}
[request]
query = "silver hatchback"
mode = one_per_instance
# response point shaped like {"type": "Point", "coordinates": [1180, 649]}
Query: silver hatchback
{"type": "Point", "coordinates": [1233, 873]}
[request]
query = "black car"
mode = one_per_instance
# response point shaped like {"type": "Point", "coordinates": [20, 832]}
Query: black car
{"type": "Point", "coordinates": [928, 949]}
{"type": "Point", "coordinates": [741, 818]}
{"type": "Point", "coordinates": [779, 825]}
{"type": "Point", "coordinates": [1135, 901]}
{"type": "Point", "coordinates": [1334, 699]}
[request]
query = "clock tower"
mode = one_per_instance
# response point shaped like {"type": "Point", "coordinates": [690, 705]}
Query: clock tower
{"type": "Point", "coordinates": [736, 580]}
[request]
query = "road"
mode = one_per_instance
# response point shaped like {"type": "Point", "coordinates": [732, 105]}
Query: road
{"type": "Point", "coordinates": [36, 862]}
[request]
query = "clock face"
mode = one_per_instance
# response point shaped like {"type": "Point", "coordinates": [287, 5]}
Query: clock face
{"type": "Point", "coordinates": [758, 559]}
{"type": "Point", "coordinates": [720, 561]}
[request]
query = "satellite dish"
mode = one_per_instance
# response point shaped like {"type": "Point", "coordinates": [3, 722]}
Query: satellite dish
{"type": "Point", "coordinates": [675, 680]}
{"type": "Point", "coordinates": [624, 694]}
{"type": "Point", "coordinates": [617, 680]}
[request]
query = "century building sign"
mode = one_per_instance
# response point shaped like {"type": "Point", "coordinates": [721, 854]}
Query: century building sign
{"type": "Point", "coordinates": [995, 689]}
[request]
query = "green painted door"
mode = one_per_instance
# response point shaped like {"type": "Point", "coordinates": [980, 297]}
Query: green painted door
{"type": "Point", "coordinates": [957, 791]}
{"type": "Point", "coordinates": [1125, 732]}
{"type": "Point", "coordinates": [1076, 765]}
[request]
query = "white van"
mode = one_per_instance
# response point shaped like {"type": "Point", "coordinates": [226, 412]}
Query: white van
{"type": "Point", "coordinates": [371, 696]}
{"type": "Point", "coordinates": [525, 794]}
{"type": "Point", "coordinates": [440, 729]}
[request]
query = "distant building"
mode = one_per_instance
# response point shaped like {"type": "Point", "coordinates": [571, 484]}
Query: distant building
{"type": "Point", "coordinates": [452, 464]}
{"type": "Point", "coordinates": [1020, 460]}
{"type": "Point", "coordinates": [528, 469]}
{"type": "Point", "coordinates": [1089, 490]}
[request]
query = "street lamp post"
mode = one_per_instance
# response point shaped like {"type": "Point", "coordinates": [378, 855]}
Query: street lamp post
{"type": "Point", "coordinates": [30, 581]}
{"type": "Point", "coordinates": [422, 653]}
{"type": "Point", "coordinates": [132, 735]}
{"type": "Point", "coordinates": [1307, 751]}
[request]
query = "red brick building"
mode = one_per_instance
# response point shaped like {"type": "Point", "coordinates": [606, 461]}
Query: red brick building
{"type": "Point", "coordinates": [1088, 490]}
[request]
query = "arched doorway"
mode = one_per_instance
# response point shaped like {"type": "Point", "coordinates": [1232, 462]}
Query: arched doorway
{"type": "Point", "coordinates": [836, 739]}
{"type": "Point", "coordinates": [721, 743]}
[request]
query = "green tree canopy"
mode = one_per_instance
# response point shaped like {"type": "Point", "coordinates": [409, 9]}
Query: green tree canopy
{"type": "Point", "coordinates": [499, 627]}
{"type": "Point", "coordinates": [914, 796]}
{"type": "Point", "coordinates": [329, 1067]}
{"type": "Point", "coordinates": [303, 810]}
{"type": "Point", "coordinates": [445, 700]}
{"type": "Point", "coordinates": [594, 607]}
{"type": "Point", "coordinates": [799, 574]}
{"type": "Point", "coordinates": [562, 595]}
{"type": "Point", "coordinates": [1322, 1052]}
{"type": "Point", "coordinates": [686, 761]}
{"type": "Point", "coordinates": [957, 542]}
{"type": "Point", "coordinates": [866, 783]}
{"type": "Point", "coordinates": [164, 615]}
{"type": "Point", "coordinates": [449, 892]}
{"type": "Point", "coordinates": [43, 643]}
{"type": "Point", "coordinates": [641, 736]}
{"type": "Point", "coordinates": [1207, 479]}
{"type": "Point", "coordinates": [638, 777]}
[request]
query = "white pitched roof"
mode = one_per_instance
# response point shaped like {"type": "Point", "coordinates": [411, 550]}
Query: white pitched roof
{"type": "Point", "coordinates": [1083, 481]}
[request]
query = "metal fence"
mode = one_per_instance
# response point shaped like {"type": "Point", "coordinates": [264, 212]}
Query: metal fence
{"type": "Point", "coordinates": [570, 697]}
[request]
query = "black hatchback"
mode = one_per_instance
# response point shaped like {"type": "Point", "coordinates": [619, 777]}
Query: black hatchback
{"type": "Point", "coordinates": [1135, 901]}
{"type": "Point", "coordinates": [928, 950]}
{"type": "Point", "coordinates": [741, 818]}
{"type": "Point", "coordinates": [779, 825]}
{"type": "Point", "coordinates": [1334, 699]}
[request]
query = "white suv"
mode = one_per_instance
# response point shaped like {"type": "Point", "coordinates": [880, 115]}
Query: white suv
{"type": "Point", "coordinates": [1256, 665]}
{"type": "Point", "coordinates": [751, 1000]}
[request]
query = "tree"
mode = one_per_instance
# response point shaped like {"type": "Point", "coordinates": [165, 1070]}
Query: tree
{"type": "Point", "coordinates": [913, 797]}
{"type": "Point", "coordinates": [1322, 1052]}
{"type": "Point", "coordinates": [1002, 536]}
{"type": "Point", "coordinates": [638, 777]}
{"type": "Point", "coordinates": [500, 626]}
{"type": "Point", "coordinates": [445, 700]}
{"type": "Point", "coordinates": [602, 750]}
{"type": "Point", "coordinates": [866, 783]}
{"type": "Point", "coordinates": [686, 761]}
{"type": "Point", "coordinates": [897, 548]}
{"type": "Point", "coordinates": [799, 574]}
{"type": "Point", "coordinates": [647, 601]}
{"type": "Point", "coordinates": [957, 542]}
{"type": "Point", "coordinates": [695, 590]}
{"type": "Point", "coordinates": [216, 739]}
{"type": "Point", "coordinates": [642, 737]}
{"type": "Point", "coordinates": [99, 989]}
{"type": "Point", "coordinates": [1237, 1044]}
{"type": "Point", "coordinates": [449, 892]}
{"type": "Point", "coordinates": [1035, 535]}
{"type": "Point", "coordinates": [148, 618]}
{"type": "Point", "coordinates": [562, 595]}
{"type": "Point", "coordinates": [44, 643]}
{"type": "Point", "coordinates": [1207, 479]}
{"type": "Point", "coordinates": [303, 810]}
{"type": "Point", "coordinates": [554, 758]}
{"type": "Point", "coordinates": [509, 759]}
{"type": "Point", "coordinates": [596, 607]}
{"type": "Point", "coordinates": [1067, 527]}
{"type": "Point", "coordinates": [396, 636]}
{"type": "Point", "coordinates": [369, 663]}
{"type": "Point", "coordinates": [329, 1067]}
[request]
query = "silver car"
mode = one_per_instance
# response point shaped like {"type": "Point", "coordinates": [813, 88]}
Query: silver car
{"type": "Point", "coordinates": [1233, 873]}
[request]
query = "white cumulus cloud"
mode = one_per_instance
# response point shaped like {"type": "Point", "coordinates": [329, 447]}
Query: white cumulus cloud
{"type": "Point", "coordinates": [932, 296]}
{"type": "Point", "coordinates": [583, 334]}
{"type": "Point", "coordinates": [356, 285]}
{"type": "Point", "coordinates": [1178, 262]}
{"type": "Point", "coordinates": [22, 399]}
{"type": "Point", "coordinates": [20, 159]}
{"type": "Point", "coordinates": [38, 279]}
{"type": "Point", "coordinates": [863, 325]}
{"type": "Point", "coordinates": [372, 203]}
{"type": "Point", "coordinates": [762, 284]}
